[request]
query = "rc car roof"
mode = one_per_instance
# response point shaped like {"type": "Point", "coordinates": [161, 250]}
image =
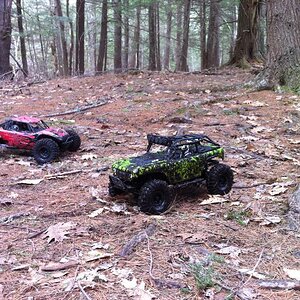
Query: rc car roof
{"type": "Point", "coordinates": [26, 119]}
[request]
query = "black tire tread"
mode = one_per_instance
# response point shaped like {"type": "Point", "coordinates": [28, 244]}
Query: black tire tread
{"type": "Point", "coordinates": [146, 193]}
{"type": "Point", "coordinates": [76, 141]}
{"type": "Point", "coordinates": [213, 179]}
{"type": "Point", "coordinates": [51, 145]}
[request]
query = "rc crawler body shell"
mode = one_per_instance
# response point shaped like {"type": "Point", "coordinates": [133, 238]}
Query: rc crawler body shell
{"type": "Point", "coordinates": [33, 134]}
{"type": "Point", "coordinates": [186, 160]}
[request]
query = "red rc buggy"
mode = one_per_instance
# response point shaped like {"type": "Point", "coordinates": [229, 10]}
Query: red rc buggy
{"type": "Point", "coordinates": [33, 134]}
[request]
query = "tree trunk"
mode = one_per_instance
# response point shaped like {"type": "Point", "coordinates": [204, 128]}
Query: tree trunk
{"type": "Point", "coordinates": [152, 38]}
{"type": "Point", "coordinates": [158, 59]}
{"type": "Point", "coordinates": [103, 38]}
{"type": "Point", "coordinates": [62, 44]}
{"type": "Point", "coordinates": [117, 37]}
{"type": "Point", "coordinates": [203, 45]}
{"type": "Point", "coordinates": [22, 37]}
{"type": "Point", "coordinates": [283, 44]}
{"type": "Point", "coordinates": [80, 16]}
{"type": "Point", "coordinates": [168, 37]}
{"type": "Point", "coordinates": [245, 50]}
{"type": "Point", "coordinates": [126, 35]}
{"type": "Point", "coordinates": [71, 48]}
{"type": "Point", "coordinates": [213, 41]}
{"type": "Point", "coordinates": [183, 66]}
{"type": "Point", "coordinates": [178, 33]}
{"type": "Point", "coordinates": [134, 61]}
{"type": "Point", "coordinates": [5, 36]}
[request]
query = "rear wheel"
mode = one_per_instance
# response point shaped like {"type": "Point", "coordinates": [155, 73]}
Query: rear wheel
{"type": "Point", "coordinates": [155, 197]}
{"type": "Point", "coordinates": [76, 141]}
{"type": "Point", "coordinates": [45, 151]}
{"type": "Point", "coordinates": [113, 191]}
{"type": "Point", "coordinates": [219, 180]}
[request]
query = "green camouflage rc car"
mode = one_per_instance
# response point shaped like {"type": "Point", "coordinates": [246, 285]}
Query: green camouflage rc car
{"type": "Point", "coordinates": [187, 160]}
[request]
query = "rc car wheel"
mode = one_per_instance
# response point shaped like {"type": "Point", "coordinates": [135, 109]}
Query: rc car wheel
{"type": "Point", "coordinates": [76, 141]}
{"type": "Point", "coordinates": [45, 151]}
{"type": "Point", "coordinates": [154, 197]}
{"type": "Point", "coordinates": [113, 191]}
{"type": "Point", "coordinates": [219, 180]}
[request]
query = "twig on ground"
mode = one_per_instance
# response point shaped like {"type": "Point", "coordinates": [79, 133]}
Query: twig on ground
{"type": "Point", "coordinates": [79, 109]}
{"type": "Point", "coordinates": [140, 237]}
{"type": "Point", "coordinates": [83, 292]}
{"type": "Point", "coordinates": [254, 268]}
{"type": "Point", "coordinates": [33, 235]}
{"type": "Point", "coordinates": [59, 266]}
{"type": "Point", "coordinates": [280, 284]}
{"type": "Point", "coordinates": [13, 217]}
{"type": "Point", "coordinates": [52, 176]}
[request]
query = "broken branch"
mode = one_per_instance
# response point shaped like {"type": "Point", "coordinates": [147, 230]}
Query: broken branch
{"type": "Point", "coordinates": [280, 284]}
{"type": "Point", "coordinates": [59, 266]}
{"type": "Point", "coordinates": [140, 237]}
{"type": "Point", "coordinates": [79, 109]}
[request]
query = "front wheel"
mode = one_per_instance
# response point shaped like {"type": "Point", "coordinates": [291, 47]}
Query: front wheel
{"type": "Point", "coordinates": [45, 151]}
{"type": "Point", "coordinates": [155, 197]}
{"type": "Point", "coordinates": [219, 180]}
{"type": "Point", "coordinates": [76, 141]}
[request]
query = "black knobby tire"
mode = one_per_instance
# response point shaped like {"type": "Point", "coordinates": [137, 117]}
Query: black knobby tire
{"type": "Point", "coordinates": [155, 197]}
{"type": "Point", "coordinates": [219, 180]}
{"type": "Point", "coordinates": [76, 141]}
{"type": "Point", "coordinates": [45, 151]}
{"type": "Point", "coordinates": [113, 191]}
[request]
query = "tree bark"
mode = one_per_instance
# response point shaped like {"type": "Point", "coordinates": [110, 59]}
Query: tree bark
{"type": "Point", "coordinates": [5, 36]}
{"type": "Point", "coordinates": [213, 40]}
{"type": "Point", "coordinates": [183, 65]}
{"type": "Point", "coordinates": [178, 33]}
{"type": "Point", "coordinates": [246, 46]}
{"type": "Point", "coordinates": [103, 38]}
{"type": "Point", "coordinates": [134, 61]}
{"type": "Point", "coordinates": [126, 35]}
{"type": "Point", "coordinates": [22, 37]}
{"type": "Point", "coordinates": [168, 37]}
{"type": "Point", "coordinates": [80, 19]}
{"type": "Point", "coordinates": [203, 44]}
{"type": "Point", "coordinates": [117, 37]}
{"type": "Point", "coordinates": [62, 44]}
{"type": "Point", "coordinates": [71, 48]}
{"type": "Point", "coordinates": [283, 44]}
{"type": "Point", "coordinates": [152, 37]}
{"type": "Point", "coordinates": [157, 22]}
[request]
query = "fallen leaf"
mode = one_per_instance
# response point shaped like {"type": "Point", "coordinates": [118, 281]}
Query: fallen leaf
{"type": "Point", "coordinates": [96, 254]}
{"type": "Point", "coordinates": [292, 273]}
{"type": "Point", "coordinates": [89, 156]}
{"type": "Point", "coordinates": [277, 190]}
{"type": "Point", "coordinates": [232, 251]}
{"type": "Point", "coordinates": [129, 284]}
{"type": "Point", "coordinates": [247, 294]}
{"type": "Point", "coordinates": [30, 181]}
{"type": "Point", "coordinates": [96, 212]}
{"type": "Point", "coordinates": [58, 232]}
{"type": "Point", "coordinates": [270, 220]}
{"type": "Point", "coordinates": [213, 200]}
{"type": "Point", "coordinates": [139, 293]}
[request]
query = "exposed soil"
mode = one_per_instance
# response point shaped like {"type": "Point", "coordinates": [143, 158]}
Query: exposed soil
{"type": "Point", "coordinates": [260, 133]}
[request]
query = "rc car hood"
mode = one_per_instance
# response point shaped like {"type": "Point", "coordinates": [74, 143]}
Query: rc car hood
{"type": "Point", "coordinates": [54, 132]}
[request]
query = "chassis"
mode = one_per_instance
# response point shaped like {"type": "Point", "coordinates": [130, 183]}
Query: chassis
{"type": "Point", "coordinates": [186, 160]}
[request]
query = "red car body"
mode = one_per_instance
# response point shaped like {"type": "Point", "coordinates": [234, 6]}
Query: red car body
{"type": "Point", "coordinates": [23, 132]}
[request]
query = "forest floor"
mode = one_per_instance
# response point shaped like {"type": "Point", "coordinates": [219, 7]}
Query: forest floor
{"type": "Point", "coordinates": [61, 234]}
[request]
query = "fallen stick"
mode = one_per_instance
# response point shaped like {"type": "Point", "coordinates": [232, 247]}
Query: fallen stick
{"type": "Point", "coordinates": [280, 284]}
{"type": "Point", "coordinates": [78, 110]}
{"type": "Point", "coordinates": [83, 292]}
{"type": "Point", "coordinates": [52, 176]}
{"type": "Point", "coordinates": [33, 235]}
{"type": "Point", "coordinates": [59, 266]}
{"type": "Point", "coordinates": [13, 217]}
{"type": "Point", "coordinates": [140, 237]}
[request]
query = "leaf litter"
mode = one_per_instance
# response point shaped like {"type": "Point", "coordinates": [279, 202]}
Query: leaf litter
{"type": "Point", "coordinates": [258, 147]}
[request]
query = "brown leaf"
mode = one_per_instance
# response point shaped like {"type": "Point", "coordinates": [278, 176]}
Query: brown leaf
{"type": "Point", "coordinates": [58, 232]}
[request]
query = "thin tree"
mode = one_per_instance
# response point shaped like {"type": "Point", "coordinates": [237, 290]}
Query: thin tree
{"type": "Point", "coordinates": [71, 47]}
{"type": "Point", "coordinates": [157, 22]}
{"type": "Point", "coordinates": [22, 38]}
{"type": "Point", "coordinates": [80, 17]}
{"type": "Point", "coordinates": [5, 37]}
{"type": "Point", "coordinates": [213, 40]}
{"type": "Point", "coordinates": [283, 44]}
{"type": "Point", "coordinates": [203, 45]}
{"type": "Point", "coordinates": [62, 44]}
{"type": "Point", "coordinates": [126, 35]}
{"type": "Point", "coordinates": [103, 38]}
{"type": "Point", "coordinates": [152, 37]}
{"type": "Point", "coordinates": [134, 61]}
{"type": "Point", "coordinates": [179, 13]}
{"type": "Point", "coordinates": [117, 37]}
{"type": "Point", "coordinates": [168, 36]}
{"type": "Point", "coordinates": [183, 65]}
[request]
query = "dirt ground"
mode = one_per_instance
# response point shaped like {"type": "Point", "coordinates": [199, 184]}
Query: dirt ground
{"type": "Point", "coordinates": [62, 235]}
